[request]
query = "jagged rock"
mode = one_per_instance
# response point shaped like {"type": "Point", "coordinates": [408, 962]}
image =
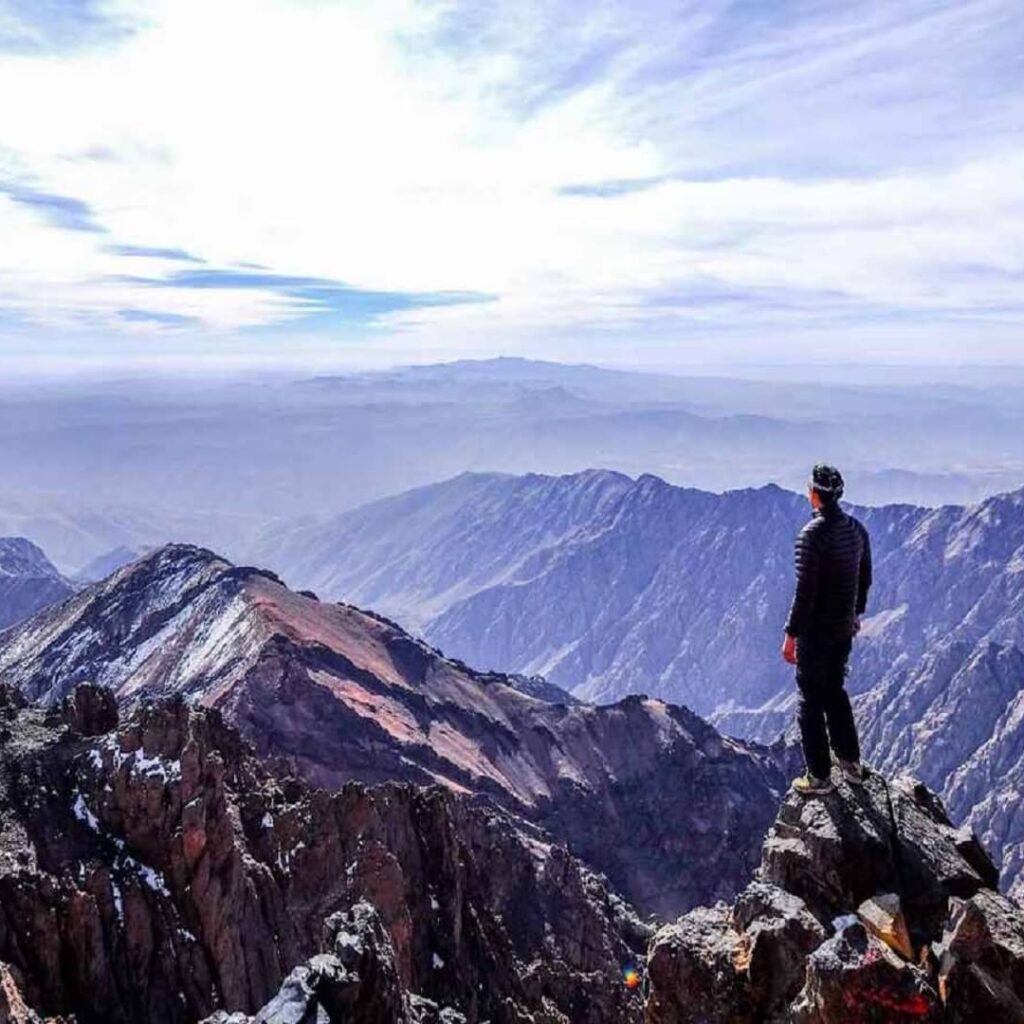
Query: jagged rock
{"type": "Point", "coordinates": [697, 972]}
{"type": "Point", "coordinates": [362, 947]}
{"type": "Point", "coordinates": [777, 933]}
{"type": "Point", "coordinates": [160, 873]}
{"type": "Point", "coordinates": [981, 965]}
{"type": "Point", "coordinates": [426, 1011]}
{"type": "Point", "coordinates": [89, 710]}
{"type": "Point", "coordinates": [13, 1008]}
{"type": "Point", "coordinates": [887, 852]}
{"type": "Point", "coordinates": [322, 989]}
{"type": "Point", "coordinates": [838, 850]}
{"type": "Point", "coordinates": [969, 847]}
{"type": "Point", "coordinates": [883, 917]}
{"type": "Point", "coordinates": [854, 978]}
{"type": "Point", "coordinates": [738, 965]}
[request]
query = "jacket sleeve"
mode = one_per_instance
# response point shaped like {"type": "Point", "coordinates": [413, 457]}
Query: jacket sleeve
{"type": "Point", "coordinates": [808, 564]}
{"type": "Point", "coordinates": [864, 575]}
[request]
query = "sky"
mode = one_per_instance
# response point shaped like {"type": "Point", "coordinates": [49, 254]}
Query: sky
{"type": "Point", "coordinates": [634, 183]}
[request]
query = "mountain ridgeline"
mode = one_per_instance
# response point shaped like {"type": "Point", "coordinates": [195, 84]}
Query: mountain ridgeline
{"type": "Point", "coordinates": [342, 694]}
{"type": "Point", "coordinates": [609, 585]}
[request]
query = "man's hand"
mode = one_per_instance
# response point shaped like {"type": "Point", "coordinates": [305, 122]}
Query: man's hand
{"type": "Point", "coordinates": [789, 649]}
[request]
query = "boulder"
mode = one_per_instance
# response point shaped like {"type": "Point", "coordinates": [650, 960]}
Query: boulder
{"type": "Point", "coordinates": [854, 978]}
{"type": "Point", "coordinates": [882, 915]}
{"type": "Point", "coordinates": [981, 960]}
{"type": "Point", "coordinates": [89, 710]}
{"type": "Point", "coordinates": [697, 971]}
{"type": "Point", "coordinates": [777, 932]}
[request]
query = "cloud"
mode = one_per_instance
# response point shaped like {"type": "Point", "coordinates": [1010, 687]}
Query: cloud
{"type": "Point", "coordinates": [312, 296]}
{"type": "Point", "coordinates": [47, 26]}
{"type": "Point", "coordinates": [604, 189]}
{"type": "Point", "coordinates": [152, 317]}
{"type": "Point", "coordinates": [61, 211]}
{"type": "Point", "coordinates": [478, 176]}
{"type": "Point", "coordinates": [154, 252]}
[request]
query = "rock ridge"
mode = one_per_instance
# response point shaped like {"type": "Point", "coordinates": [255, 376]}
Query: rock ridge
{"type": "Point", "coordinates": [869, 906]}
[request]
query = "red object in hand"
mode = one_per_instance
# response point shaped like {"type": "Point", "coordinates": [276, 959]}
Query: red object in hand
{"type": "Point", "coordinates": [789, 649]}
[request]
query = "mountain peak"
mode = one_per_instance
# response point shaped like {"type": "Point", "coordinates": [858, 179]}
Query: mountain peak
{"type": "Point", "coordinates": [28, 580]}
{"type": "Point", "coordinates": [20, 557]}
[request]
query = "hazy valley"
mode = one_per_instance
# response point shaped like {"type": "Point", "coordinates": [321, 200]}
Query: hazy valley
{"type": "Point", "coordinates": [91, 464]}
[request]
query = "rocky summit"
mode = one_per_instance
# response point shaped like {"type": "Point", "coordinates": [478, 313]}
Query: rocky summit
{"type": "Point", "coordinates": [869, 907]}
{"type": "Point", "coordinates": [153, 870]}
{"type": "Point", "coordinates": [644, 791]}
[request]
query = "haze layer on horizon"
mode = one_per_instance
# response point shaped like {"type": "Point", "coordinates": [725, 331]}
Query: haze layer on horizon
{"type": "Point", "coordinates": [304, 182]}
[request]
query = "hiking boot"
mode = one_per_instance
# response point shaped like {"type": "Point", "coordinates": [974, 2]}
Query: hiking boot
{"type": "Point", "coordinates": [853, 772]}
{"type": "Point", "coordinates": [811, 785]}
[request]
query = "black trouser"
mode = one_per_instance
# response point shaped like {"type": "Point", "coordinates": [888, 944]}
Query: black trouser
{"type": "Point", "coordinates": [820, 674]}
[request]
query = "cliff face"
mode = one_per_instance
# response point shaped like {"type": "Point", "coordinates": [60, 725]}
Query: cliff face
{"type": "Point", "coordinates": [155, 871]}
{"type": "Point", "coordinates": [646, 792]}
{"type": "Point", "coordinates": [869, 906]}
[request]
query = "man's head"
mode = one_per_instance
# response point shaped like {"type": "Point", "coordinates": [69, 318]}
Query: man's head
{"type": "Point", "coordinates": [825, 486]}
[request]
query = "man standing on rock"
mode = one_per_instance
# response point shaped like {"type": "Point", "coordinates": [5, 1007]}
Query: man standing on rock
{"type": "Point", "coordinates": [833, 576]}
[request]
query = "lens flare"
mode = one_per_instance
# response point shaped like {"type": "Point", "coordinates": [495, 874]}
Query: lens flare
{"type": "Point", "coordinates": [631, 976]}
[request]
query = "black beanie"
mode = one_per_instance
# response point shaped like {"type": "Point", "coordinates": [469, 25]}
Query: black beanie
{"type": "Point", "coordinates": [827, 481]}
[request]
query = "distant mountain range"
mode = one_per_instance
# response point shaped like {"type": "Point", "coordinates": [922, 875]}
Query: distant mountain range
{"type": "Point", "coordinates": [642, 790]}
{"type": "Point", "coordinates": [609, 586]}
{"type": "Point", "coordinates": [92, 465]}
{"type": "Point", "coordinates": [28, 580]}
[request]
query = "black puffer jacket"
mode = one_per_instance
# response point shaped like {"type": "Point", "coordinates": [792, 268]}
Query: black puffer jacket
{"type": "Point", "coordinates": [833, 575]}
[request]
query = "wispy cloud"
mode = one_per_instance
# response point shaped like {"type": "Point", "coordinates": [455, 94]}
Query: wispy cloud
{"type": "Point", "coordinates": [151, 317]}
{"type": "Point", "coordinates": [313, 297]}
{"type": "Point", "coordinates": [154, 252]}
{"type": "Point", "coordinates": [48, 26]}
{"type": "Point", "coordinates": [60, 211]}
{"type": "Point", "coordinates": [482, 177]}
